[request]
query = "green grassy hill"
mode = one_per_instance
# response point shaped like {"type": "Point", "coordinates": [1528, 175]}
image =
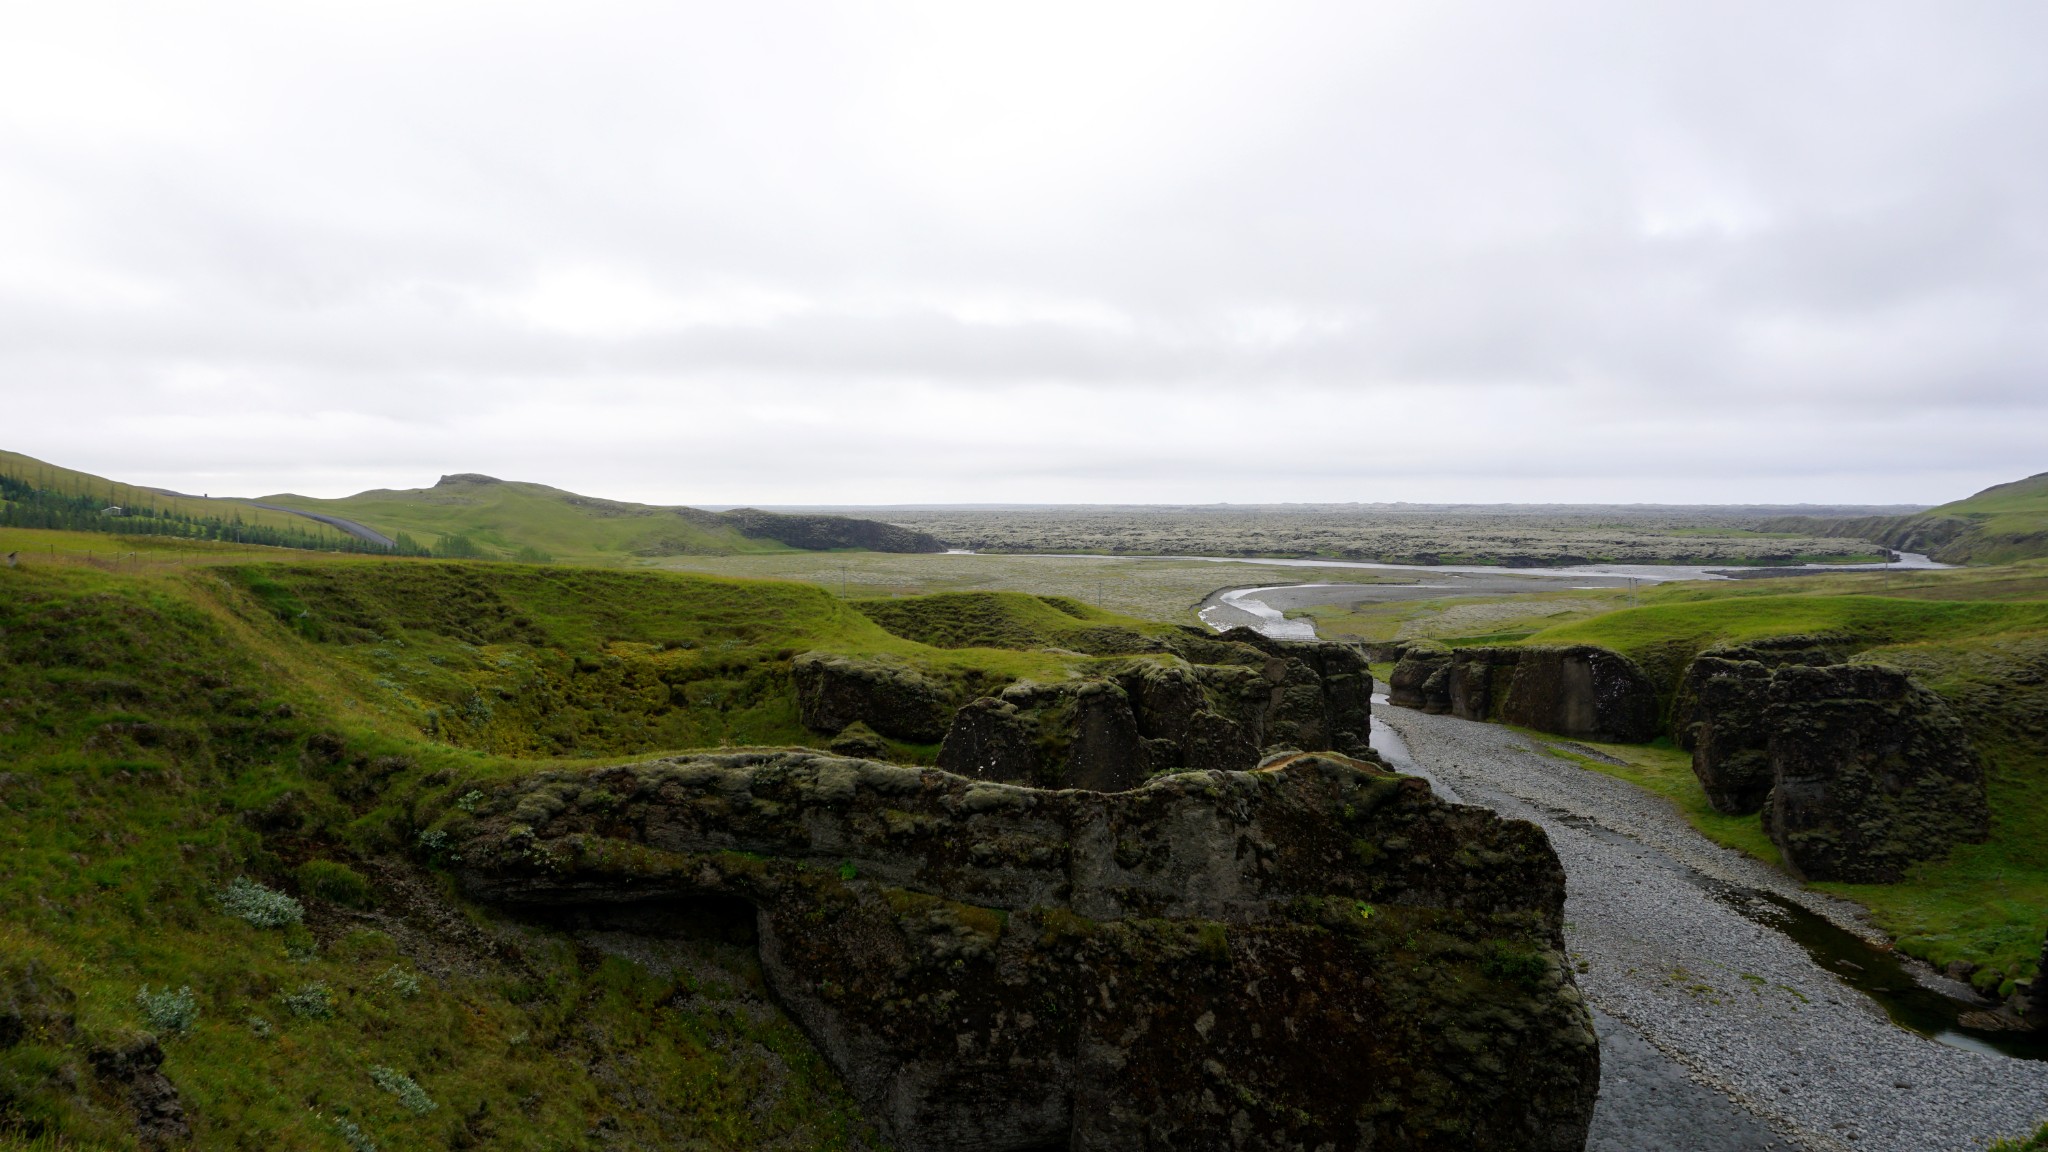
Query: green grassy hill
{"type": "Point", "coordinates": [501, 519]}
{"type": "Point", "coordinates": [2000, 525]}
{"type": "Point", "coordinates": [463, 516]}
{"type": "Point", "coordinates": [38, 494]}
{"type": "Point", "coordinates": [1979, 638]}
{"type": "Point", "coordinates": [488, 518]}
{"type": "Point", "coordinates": [168, 733]}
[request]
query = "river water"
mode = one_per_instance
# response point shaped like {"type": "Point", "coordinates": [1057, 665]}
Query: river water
{"type": "Point", "coordinates": [1265, 608]}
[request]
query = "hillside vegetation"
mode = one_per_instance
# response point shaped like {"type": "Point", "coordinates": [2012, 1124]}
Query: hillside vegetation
{"type": "Point", "coordinates": [2002, 524]}
{"type": "Point", "coordinates": [171, 740]}
{"type": "Point", "coordinates": [35, 494]}
{"type": "Point", "coordinates": [216, 780]}
{"type": "Point", "coordinates": [1977, 637]}
{"type": "Point", "coordinates": [488, 518]}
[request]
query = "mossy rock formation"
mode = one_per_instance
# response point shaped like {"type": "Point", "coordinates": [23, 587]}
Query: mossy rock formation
{"type": "Point", "coordinates": [1319, 954]}
{"type": "Point", "coordinates": [1857, 770]}
{"type": "Point", "coordinates": [1574, 690]}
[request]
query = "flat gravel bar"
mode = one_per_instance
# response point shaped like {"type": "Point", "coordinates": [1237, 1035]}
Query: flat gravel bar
{"type": "Point", "coordinates": [1717, 1031]}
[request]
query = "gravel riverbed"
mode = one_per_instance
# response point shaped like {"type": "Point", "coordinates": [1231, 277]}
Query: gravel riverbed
{"type": "Point", "coordinates": [1717, 1031]}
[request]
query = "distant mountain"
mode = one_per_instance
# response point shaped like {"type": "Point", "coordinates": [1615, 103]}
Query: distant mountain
{"type": "Point", "coordinates": [2003, 523]}
{"type": "Point", "coordinates": [464, 515]}
{"type": "Point", "coordinates": [475, 515]}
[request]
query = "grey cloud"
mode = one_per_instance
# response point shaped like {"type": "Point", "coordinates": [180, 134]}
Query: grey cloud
{"type": "Point", "coordinates": [1582, 251]}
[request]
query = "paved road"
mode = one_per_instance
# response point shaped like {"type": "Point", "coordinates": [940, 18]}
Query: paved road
{"type": "Point", "coordinates": [354, 529]}
{"type": "Point", "coordinates": [1720, 1033]}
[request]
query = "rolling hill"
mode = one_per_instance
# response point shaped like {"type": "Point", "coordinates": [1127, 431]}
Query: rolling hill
{"type": "Point", "coordinates": [2001, 524]}
{"type": "Point", "coordinates": [482, 516]}
{"type": "Point", "coordinates": [463, 516]}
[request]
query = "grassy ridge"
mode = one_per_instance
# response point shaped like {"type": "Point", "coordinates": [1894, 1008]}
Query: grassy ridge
{"type": "Point", "coordinates": [2000, 525]}
{"type": "Point", "coordinates": [533, 661]}
{"type": "Point", "coordinates": [500, 518]}
{"type": "Point", "coordinates": [1985, 652]}
{"type": "Point", "coordinates": [43, 474]}
{"type": "Point", "coordinates": [169, 729]}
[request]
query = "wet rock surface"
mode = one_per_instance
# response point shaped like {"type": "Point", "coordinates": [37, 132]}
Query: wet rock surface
{"type": "Point", "coordinates": [1316, 954]}
{"type": "Point", "coordinates": [1576, 690]}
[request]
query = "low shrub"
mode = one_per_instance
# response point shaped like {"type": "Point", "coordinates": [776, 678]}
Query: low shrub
{"type": "Point", "coordinates": [411, 1096]}
{"type": "Point", "coordinates": [168, 1013]}
{"type": "Point", "coordinates": [245, 899]}
{"type": "Point", "coordinates": [314, 1001]}
{"type": "Point", "coordinates": [406, 984]}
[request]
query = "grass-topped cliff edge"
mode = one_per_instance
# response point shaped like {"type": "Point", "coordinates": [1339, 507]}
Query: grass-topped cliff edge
{"type": "Point", "coordinates": [215, 780]}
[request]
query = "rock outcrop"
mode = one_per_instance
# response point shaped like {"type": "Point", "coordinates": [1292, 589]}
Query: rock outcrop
{"type": "Point", "coordinates": [1870, 773]}
{"type": "Point", "coordinates": [1319, 954]}
{"type": "Point", "coordinates": [1219, 705]}
{"type": "Point", "coordinates": [834, 691]}
{"type": "Point", "coordinates": [1857, 770]}
{"type": "Point", "coordinates": [1722, 715]}
{"type": "Point", "coordinates": [1577, 690]}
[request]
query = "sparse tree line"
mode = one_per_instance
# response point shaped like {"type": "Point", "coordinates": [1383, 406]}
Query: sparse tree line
{"type": "Point", "coordinates": [24, 504]}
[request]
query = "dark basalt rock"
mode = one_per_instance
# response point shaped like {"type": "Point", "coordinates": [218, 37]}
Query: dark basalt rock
{"type": "Point", "coordinates": [1319, 694]}
{"type": "Point", "coordinates": [1870, 773]}
{"type": "Point", "coordinates": [135, 1071]}
{"type": "Point", "coordinates": [1162, 714]}
{"type": "Point", "coordinates": [1577, 690]}
{"type": "Point", "coordinates": [1729, 731]}
{"type": "Point", "coordinates": [835, 691]}
{"type": "Point", "coordinates": [1319, 954]}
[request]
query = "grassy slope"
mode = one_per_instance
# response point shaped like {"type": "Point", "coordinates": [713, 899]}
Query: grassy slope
{"type": "Point", "coordinates": [2000, 525]}
{"type": "Point", "coordinates": [504, 516]}
{"type": "Point", "coordinates": [168, 729]}
{"type": "Point", "coordinates": [1968, 636]}
{"type": "Point", "coordinates": [549, 661]}
{"type": "Point", "coordinates": [2008, 522]}
{"type": "Point", "coordinates": [1012, 620]}
{"type": "Point", "coordinates": [47, 475]}
{"type": "Point", "coordinates": [159, 741]}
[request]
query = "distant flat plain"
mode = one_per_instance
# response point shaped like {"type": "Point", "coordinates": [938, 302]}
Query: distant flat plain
{"type": "Point", "coordinates": [1514, 535]}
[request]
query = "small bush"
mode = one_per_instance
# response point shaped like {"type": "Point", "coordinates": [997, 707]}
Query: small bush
{"type": "Point", "coordinates": [411, 1096]}
{"type": "Point", "coordinates": [247, 900]}
{"type": "Point", "coordinates": [258, 1026]}
{"type": "Point", "coordinates": [168, 1013]}
{"type": "Point", "coordinates": [337, 882]}
{"type": "Point", "coordinates": [314, 1001]}
{"type": "Point", "coordinates": [405, 983]}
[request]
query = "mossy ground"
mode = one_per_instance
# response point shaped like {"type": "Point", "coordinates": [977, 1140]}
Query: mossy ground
{"type": "Point", "coordinates": [165, 732]}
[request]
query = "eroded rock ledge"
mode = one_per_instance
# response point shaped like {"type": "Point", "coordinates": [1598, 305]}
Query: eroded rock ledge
{"type": "Point", "coordinates": [1316, 955]}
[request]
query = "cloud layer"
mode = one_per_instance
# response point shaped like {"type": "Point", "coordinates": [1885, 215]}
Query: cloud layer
{"type": "Point", "coordinates": [892, 253]}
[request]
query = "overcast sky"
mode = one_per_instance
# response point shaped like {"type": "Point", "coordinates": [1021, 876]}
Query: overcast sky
{"type": "Point", "coordinates": [856, 252]}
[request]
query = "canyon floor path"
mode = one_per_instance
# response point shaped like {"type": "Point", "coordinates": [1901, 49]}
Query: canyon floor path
{"type": "Point", "coordinates": [1717, 1031]}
